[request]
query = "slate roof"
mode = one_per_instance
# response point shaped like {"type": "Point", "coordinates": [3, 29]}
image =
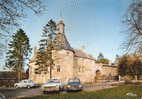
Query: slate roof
{"type": "Point", "coordinates": [61, 42]}
{"type": "Point", "coordinates": [81, 54]}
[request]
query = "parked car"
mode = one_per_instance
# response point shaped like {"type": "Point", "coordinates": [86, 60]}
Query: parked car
{"type": "Point", "coordinates": [2, 96]}
{"type": "Point", "coordinates": [52, 85]}
{"type": "Point", "coordinates": [25, 84]}
{"type": "Point", "coordinates": [74, 85]}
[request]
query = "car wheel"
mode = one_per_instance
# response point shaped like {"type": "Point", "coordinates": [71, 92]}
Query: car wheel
{"type": "Point", "coordinates": [28, 86]}
{"type": "Point", "coordinates": [16, 86]}
{"type": "Point", "coordinates": [2, 96]}
{"type": "Point", "coordinates": [61, 88]}
{"type": "Point", "coordinates": [44, 92]}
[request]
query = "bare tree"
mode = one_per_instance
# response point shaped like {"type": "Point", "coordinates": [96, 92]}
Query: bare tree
{"type": "Point", "coordinates": [133, 21]}
{"type": "Point", "coordinates": [12, 10]}
{"type": "Point", "coordinates": [3, 46]}
{"type": "Point", "coordinates": [130, 64]}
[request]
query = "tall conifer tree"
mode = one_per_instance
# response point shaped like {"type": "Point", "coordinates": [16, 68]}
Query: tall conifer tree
{"type": "Point", "coordinates": [18, 52]}
{"type": "Point", "coordinates": [44, 55]}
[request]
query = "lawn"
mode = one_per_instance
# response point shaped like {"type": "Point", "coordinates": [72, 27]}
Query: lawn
{"type": "Point", "coordinates": [111, 93]}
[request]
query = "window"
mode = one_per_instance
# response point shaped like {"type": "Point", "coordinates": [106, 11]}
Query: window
{"type": "Point", "coordinates": [37, 71]}
{"type": "Point", "coordinates": [68, 53]}
{"type": "Point", "coordinates": [58, 68]}
{"type": "Point", "coordinates": [25, 81]}
{"type": "Point", "coordinates": [79, 69]}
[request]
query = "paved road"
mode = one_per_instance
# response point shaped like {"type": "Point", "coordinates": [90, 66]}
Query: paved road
{"type": "Point", "coordinates": [22, 92]}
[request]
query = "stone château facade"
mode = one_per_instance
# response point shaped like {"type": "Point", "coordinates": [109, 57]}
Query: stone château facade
{"type": "Point", "coordinates": [70, 63]}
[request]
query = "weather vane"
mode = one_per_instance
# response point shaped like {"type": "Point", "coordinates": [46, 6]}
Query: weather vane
{"type": "Point", "coordinates": [61, 9]}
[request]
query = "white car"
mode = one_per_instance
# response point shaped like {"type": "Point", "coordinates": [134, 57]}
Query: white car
{"type": "Point", "coordinates": [52, 85]}
{"type": "Point", "coordinates": [25, 84]}
{"type": "Point", "coordinates": [2, 96]}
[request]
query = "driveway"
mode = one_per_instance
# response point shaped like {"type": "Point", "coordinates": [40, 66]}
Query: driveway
{"type": "Point", "coordinates": [11, 93]}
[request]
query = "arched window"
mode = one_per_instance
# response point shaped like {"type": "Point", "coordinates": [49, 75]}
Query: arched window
{"type": "Point", "coordinates": [98, 73]}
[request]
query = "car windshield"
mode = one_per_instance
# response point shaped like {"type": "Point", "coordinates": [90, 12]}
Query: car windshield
{"type": "Point", "coordinates": [74, 80]}
{"type": "Point", "coordinates": [53, 81]}
{"type": "Point", "coordinates": [74, 83]}
{"type": "Point", "coordinates": [30, 81]}
{"type": "Point", "coordinates": [22, 81]}
{"type": "Point", "coordinates": [25, 81]}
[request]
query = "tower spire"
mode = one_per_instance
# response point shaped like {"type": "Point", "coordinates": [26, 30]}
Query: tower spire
{"type": "Point", "coordinates": [61, 10]}
{"type": "Point", "coordinates": [61, 25]}
{"type": "Point", "coordinates": [61, 14]}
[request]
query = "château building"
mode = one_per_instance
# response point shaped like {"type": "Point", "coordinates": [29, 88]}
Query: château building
{"type": "Point", "coordinates": [70, 62]}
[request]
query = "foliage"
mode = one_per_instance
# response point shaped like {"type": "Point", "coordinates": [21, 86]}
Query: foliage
{"type": "Point", "coordinates": [101, 59]}
{"type": "Point", "coordinates": [130, 65]}
{"type": "Point", "coordinates": [44, 56]}
{"type": "Point", "coordinates": [41, 61]}
{"type": "Point", "coordinates": [104, 61]}
{"type": "Point", "coordinates": [12, 11]}
{"type": "Point", "coordinates": [100, 56]}
{"type": "Point", "coordinates": [18, 52]}
{"type": "Point", "coordinates": [133, 21]}
{"type": "Point", "coordinates": [116, 59]}
{"type": "Point", "coordinates": [111, 93]}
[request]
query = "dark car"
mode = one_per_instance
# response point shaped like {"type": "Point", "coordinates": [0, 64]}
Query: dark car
{"type": "Point", "coordinates": [74, 85]}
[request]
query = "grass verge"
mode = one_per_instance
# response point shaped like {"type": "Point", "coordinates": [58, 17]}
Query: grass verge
{"type": "Point", "coordinates": [111, 93]}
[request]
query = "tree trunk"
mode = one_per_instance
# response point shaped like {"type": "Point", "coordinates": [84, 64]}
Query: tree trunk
{"type": "Point", "coordinates": [50, 71]}
{"type": "Point", "coordinates": [119, 78]}
{"type": "Point", "coordinates": [18, 72]}
{"type": "Point", "coordinates": [136, 77]}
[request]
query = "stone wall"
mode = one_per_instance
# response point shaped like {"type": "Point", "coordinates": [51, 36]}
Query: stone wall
{"type": "Point", "coordinates": [109, 70]}
{"type": "Point", "coordinates": [64, 62]}
{"type": "Point", "coordinates": [63, 69]}
{"type": "Point", "coordinates": [85, 69]}
{"type": "Point", "coordinates": [67, 66]}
